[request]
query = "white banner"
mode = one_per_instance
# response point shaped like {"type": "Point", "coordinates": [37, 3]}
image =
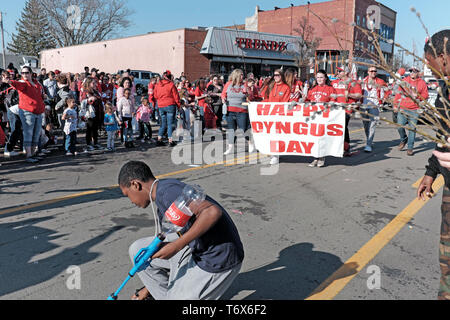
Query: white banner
{"type": "Point", "coordinates": [306, 130]}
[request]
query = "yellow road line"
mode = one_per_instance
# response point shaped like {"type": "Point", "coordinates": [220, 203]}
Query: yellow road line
{"type": "Point", "coordinates": [90, 192]}
{"type": "Point", "coordinates": [355, 131]}
{"type": "Point", "coordinates": [338, 280]}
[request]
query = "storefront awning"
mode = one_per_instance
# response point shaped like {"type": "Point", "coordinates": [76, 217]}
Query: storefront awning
{"type": "Point", "coordinates": [225, 42]}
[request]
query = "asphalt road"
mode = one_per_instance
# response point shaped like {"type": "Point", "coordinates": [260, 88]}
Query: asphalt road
{"type": "Point", "coordinates": [301, 227]}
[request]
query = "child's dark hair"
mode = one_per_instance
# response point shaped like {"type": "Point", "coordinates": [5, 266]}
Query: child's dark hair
{"type": "Point", "coordinates": [134, 170]}
{"type": "Point", "coordinates": [440, 41]}
{"type": "Point", "coordinates": [127, 89]}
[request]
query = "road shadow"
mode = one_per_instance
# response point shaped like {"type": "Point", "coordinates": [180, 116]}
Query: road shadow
{"type": "Point", "coordinates": [21, 242]}
{"type": "Point", "coordinates": [298, 271]}
{"type": "Point", "coordinates": [109, 193]}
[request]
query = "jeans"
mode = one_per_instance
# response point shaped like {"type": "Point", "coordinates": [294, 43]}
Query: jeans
{"type": "Point", "coordinates": [71, 141]}
{"type": "Point", "coordinates": [236, 120]}
{"type": "Point", "coordinates": [370, 123]}
{"type": "Point", "coordinates": [31, 126]}
{"type": "Point", "coordinates": [16, 131]}
{"type": "Point", "coordinates": [407, 117]}
{"type": "Point", "coordinates": [167, 115]}
{"type": "Point", "coordinates": [91, 131]}
{"type": "Point", "coordinates": [127, 129]}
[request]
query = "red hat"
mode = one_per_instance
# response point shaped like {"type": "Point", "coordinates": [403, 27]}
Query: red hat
{"type": "Point", "coordinates": [57, 72]}
{"type": "Point", "coordinates": [168, 72]}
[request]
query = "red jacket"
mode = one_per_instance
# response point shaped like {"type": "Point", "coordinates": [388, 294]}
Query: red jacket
{"type": "Point", "coordinates": [321, 94]}
{"type": "Point", "coordinates": [166, 94]}
{"type": "Point", "coordinates": [340, 86]}
{"type": "Point", "coordinates": [421, 89]}
{"type": "Point", "coordinates": [30, 97]}
{"type": "Point", "coordinates": [280, 93]}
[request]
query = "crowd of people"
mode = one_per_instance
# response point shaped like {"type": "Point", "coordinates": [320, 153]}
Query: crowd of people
{"type": "Point", "coordinates": [39, 108]}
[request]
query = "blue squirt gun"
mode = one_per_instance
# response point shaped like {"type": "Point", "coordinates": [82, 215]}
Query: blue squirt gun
{"type": "Point", "coordinates": [141, 261]}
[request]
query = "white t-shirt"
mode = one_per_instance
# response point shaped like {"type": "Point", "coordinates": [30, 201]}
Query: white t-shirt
{"type": "Point", "coordinates": [70, 124]}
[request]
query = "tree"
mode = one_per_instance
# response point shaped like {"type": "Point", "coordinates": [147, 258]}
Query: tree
{"type": "Point", "coordinates": [32, 31]}
{"type": "Point", "coordinates": [306, 46]}
{"type": "Point", "coordinates": [74, 22]}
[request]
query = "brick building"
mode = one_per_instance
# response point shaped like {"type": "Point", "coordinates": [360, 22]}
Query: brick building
{"type": "Point", "coordinates": [338, 17]}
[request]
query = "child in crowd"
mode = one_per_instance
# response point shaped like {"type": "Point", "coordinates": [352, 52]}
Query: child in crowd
{"type": "Point", "coordinates": [143, 116]}
{"type": "Point", "coordinates": [70, 127]}
{"type": "Point", "coordinates": [126, 111]}
{"type": "Point", "coordinates": [111, 125]}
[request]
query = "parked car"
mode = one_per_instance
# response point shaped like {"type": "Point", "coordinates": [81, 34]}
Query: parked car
{"type": "Point", "coordinates": [141, 80]}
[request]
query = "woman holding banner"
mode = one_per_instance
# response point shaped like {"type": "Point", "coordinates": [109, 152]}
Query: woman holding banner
{"type": "Point", "coordinates": [321, 92]}
{"type": "Point", "coordinates": [237, 109]}
{"type": "Point", "coordinates": [276, 90]}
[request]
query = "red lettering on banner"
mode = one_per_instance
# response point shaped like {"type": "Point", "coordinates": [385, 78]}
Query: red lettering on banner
{"type": "Point", "coordinates": [292, 147]}
{"type": "Point", "coordinates": [317, 130]}
{"type": "Point", "coordinates": [277, 146]}
{"type": "Point", "coordinates": [263, 109]}
{"type": "Point", "coordinates": [300, 131]}
{"type": "Point", "coordinates": [278, 110]}
{"type": "Point", "coordinates": [334, 130]}
{"type": "Point", "coordinates": [308, 147]}
{"type": "Point", "coordinates": [307, 110]}
{"type": "Point", "coordinates": [268, 126]}
{"type": "Point", "coordinates": [296, 108]}
{"type": "Point", "coordinates": [283, 126]}
{"type": "Point", "coordinates": [257, 126]}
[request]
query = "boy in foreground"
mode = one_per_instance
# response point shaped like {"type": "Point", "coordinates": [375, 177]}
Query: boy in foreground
{"type": "Point", "coordinates": [200, 264]}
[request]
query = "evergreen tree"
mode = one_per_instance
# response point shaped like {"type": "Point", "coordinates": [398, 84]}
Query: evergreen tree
{"type": "Point", "coordinates": [32, 31]}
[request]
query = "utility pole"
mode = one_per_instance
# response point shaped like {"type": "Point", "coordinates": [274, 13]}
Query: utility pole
{"type": "Point", "coordinates": [3, 40]}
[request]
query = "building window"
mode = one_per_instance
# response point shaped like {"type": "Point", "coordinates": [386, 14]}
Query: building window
{"type": "Point", "coordinates": [364, 24]}
{"type": "Point", "coordinates": [358, 20]}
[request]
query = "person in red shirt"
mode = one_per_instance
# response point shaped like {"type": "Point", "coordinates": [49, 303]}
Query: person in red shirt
{"type": "Point", "coordinates": [322, 92]}
{"type": "Point", "coordinates": [294, 84]}
{"type": "Point", "coordinates": [276, 90]}
{"type": "Point", "coordinates": [168, 100]}
{"type": "Point", "coordinates": [348, 92]}
{"type": "Point", "coordinates": [408, 113]}
{"type": "Point", "coordinates": [31, 109]}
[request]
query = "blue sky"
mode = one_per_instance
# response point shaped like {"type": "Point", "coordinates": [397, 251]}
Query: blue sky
{"type": "Point", "coordinates": [167, 15]}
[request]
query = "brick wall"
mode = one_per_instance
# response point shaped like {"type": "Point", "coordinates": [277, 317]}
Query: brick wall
{"type": "Point", "coordinates": [286, 20]}
{"type": "Point", "coordinates": [196, 65]}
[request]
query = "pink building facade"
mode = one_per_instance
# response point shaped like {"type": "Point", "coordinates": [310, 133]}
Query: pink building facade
{"type": "Point", "coordinates": [156, 52]}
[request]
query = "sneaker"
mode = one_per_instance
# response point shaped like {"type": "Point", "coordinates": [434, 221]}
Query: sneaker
{"type": "Point", "coordinates": [90, 148]}
{"type": "Point", "coordinates": [251, 148]}
{"type": "Point", "coordinates": [314, 163]}
{"type": "Point", "coordinates": [69, 154]}
{"type": "Point", "coordinates": [274, 160]}
{"type": "Point", "coordinates": [159, 143]}
{"type": "Point", "coordinates": [11, 154]}
{"type": "Point", "coordinates": [410, 152]}
{"type": "Point", "coordinates": [229, 149]}
{"type": "Point", "coordinates": [45, 151]}
{"type": "Point", "coordinates": [98, 147]}
{"type": "Point", "coordinates": [75, 153]}
{"type": "Point", "coordinates": [321, 163]}
{"type": "Point", "coordinates": [172, 144]}
{"type": "Point", "coordinates": [368, 149]}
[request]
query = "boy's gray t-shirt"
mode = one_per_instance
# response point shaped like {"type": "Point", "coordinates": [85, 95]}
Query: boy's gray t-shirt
{"type": "Point", "coordinates": [220, 248]}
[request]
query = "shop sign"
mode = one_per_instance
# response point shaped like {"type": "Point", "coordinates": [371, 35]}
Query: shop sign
{"type": "Point", "coordinates": [257, 44]}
